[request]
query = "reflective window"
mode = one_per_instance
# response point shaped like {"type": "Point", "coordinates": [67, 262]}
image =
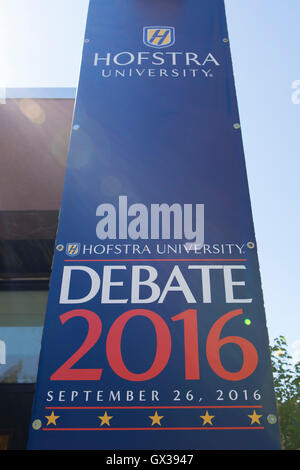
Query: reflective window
{"type": "Point", "coordinates": [21, 358]}
{"type": "Point", "coordinates": [34, 140]}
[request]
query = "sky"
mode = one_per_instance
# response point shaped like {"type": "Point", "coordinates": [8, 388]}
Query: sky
{"type": "Point", "coordinates": [41, 45]}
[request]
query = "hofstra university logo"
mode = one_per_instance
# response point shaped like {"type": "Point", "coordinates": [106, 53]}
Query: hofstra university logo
{"type": "Point", "coordinates": [159, 36]}
{"type": "Point", "coordinates": [158, 61]}
{"type": "Point", "coordinates": [73, 249]}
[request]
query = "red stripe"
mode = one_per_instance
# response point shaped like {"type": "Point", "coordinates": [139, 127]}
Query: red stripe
{"type": "Point", "coordinates": [146, 407]}
{"type": "Point", "coordinates": [147, 260]}
{"type": "Point", "coordinates": [153, 429]}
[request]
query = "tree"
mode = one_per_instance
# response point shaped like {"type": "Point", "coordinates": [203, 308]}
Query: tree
{"type": "Point", "coordinates": [287, 390]}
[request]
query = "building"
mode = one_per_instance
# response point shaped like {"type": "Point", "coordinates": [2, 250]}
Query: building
{"type": "Point", "coordinates": [34, 134]}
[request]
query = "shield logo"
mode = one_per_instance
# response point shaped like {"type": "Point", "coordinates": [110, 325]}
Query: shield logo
{"type": "Point", "coordinates": [73, 249]}
{"type": "Point", "coordinates": [159, 36]}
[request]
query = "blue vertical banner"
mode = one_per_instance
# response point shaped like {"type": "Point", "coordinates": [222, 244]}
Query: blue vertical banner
{"type": "Point", "coordinates": [155, 334]}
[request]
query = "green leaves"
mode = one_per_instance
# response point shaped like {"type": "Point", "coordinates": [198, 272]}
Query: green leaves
{"type": "Point", "coordinates": [287, 389]}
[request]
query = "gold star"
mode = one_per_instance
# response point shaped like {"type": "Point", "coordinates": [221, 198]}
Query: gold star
{"type": "Point", "coordinates": [207, 418]}
{"type": "Point", "coordinates": [105, 419]}
{"type": "Point", "coordinates": [156, 419]}
{"type": "Point", "coordinates": [52, 419]}
{"type": "Point", "coordinates": [255, 418]}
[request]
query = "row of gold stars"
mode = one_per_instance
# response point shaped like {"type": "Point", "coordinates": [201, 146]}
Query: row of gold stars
{"type": "Point", "coordinates": [156, 419]}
